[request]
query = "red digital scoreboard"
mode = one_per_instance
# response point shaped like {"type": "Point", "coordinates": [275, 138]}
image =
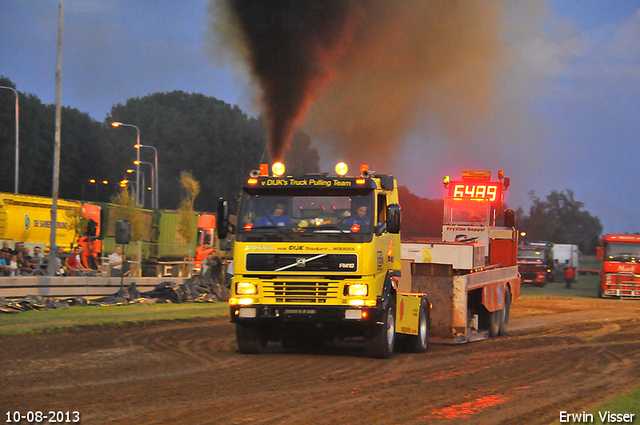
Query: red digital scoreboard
{"type": "Point", "coordinates": [469, 189]}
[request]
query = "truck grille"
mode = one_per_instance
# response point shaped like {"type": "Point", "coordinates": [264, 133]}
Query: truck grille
{"type": "Point", "coordinates": [343, 263]}
{"type": "Point", "coordinates": [529, 275]}
{"type": "Point", "coordinates": [625, 285]}
{"type": "Point", "coordinates": [301, 292]}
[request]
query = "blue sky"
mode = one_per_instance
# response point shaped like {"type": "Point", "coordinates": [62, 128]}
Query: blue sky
{"type": "Point", "coordinates": [566, 112]}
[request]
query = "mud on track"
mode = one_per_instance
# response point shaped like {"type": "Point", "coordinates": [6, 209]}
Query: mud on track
{"type": "Point", "coordinates": [562, 354]}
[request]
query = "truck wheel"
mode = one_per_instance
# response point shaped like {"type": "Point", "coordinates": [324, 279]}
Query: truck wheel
{"type": "Point", "coordinates": [380, 338]}
{"type": "Point", "coordinates": [490, 320]}
{"type": "Point", "coordinates": [420, 343]}
{"type": "Point", "coordinates": [504, 323]}
{"type": "Point", "coordinates": [495, 320]}
{"type": "Point", "coordinates": [250, 339]}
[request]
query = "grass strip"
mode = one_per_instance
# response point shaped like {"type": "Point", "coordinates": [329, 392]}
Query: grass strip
{"type": "Point", "coordinates": [45, 320]}
{"type": "Point", "coordinates": [585, 287]}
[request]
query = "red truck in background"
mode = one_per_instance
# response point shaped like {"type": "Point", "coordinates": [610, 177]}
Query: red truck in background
{"type": "Point", "coordinates": [620, 275]}
{"type": "Point", "coordinates": [535, 263]}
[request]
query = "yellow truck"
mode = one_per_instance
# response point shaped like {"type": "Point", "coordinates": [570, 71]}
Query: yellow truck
{"type": "Point", "coordinates": [317, 257]}
{"type": "Point", "coordinates": [27, 218]}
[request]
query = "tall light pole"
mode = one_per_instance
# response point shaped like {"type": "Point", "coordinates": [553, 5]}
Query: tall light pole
{"type": "Point", "coordinates": [17, 135]}
{"type": "Point", "coordinates": [155, 184]}
{"type": "Point", "coordinates": [138, 174]}
{"type": "Point", "coordinates": [56, 149]}
{"type": "Point", "coordinates": [118, 124]}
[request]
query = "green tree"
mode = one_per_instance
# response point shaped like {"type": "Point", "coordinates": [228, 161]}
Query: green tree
{"type": "Point", "coordinates": [80, 158]}
{"type": "Point", "coordinates": [190, 189]}
{"type": "Point", "coordinates": [75, 219]}
{"type": "Point", "coordinates": [560, 219]}
{"type": "Point", "coordinates": [421, 217]}
{"type": "Point", "coordinates": [128, 211]}
{"type": "Point", "coordinates": [218, 142]}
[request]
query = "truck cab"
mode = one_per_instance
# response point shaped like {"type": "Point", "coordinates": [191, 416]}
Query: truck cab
{"type": "Point", "coordinates": [620, 275]}
{"type": "Point", "coordinates": [317, 257]}
{"type": "Point", "coordinates": [535, 263]}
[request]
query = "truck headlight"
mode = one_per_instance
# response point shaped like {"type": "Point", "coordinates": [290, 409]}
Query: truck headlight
{"type": "Point", "coordinates": [359, 290]}
{"type": "Point", "coordinates": [246, 288]}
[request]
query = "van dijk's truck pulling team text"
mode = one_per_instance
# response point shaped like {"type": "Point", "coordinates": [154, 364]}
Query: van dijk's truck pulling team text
{"type": "Point", "coordinates": [319, 257]}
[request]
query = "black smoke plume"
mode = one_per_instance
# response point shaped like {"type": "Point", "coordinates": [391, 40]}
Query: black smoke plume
{"type": "Point", "coordinates": [359, 71]}
{"type": "Point", "coordinates": [290, 45]}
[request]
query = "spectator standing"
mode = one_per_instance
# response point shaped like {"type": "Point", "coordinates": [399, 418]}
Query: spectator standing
{"type": "Point", "coordinates": [37, 252]}
{"type": "Point", "coordinates": [90, 259]}
{"type": "Point", "coordinates": [19, 247]}
{"type": "Point", "coordinates": [115, 262]}
{"type": "Point", "coordinates": [569, 276]}
{"type": "Point", "coordinates": [12, 265]}
{"type": "Point", "coordinates": [24, 267]}
{"type": "Point", "coordinates": [26, 254]}
{"type": "Point", "coordinates": [5, 247]}
{"type": "Point", "coordinates": [4, 262]}
{"type": "Point", "coordinates": [207, 262]}
{"type": "Point", "coordinates": [74, 264]}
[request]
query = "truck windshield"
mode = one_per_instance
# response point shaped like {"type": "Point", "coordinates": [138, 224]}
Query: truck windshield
{"type": "Point", "coordinates": [466, 211]}
{"type": "Point", "coordinates": [530, 254]}
{"type": "Point", "coordinates": [626, 252]}
{"type": "Point", "coordinates": [307, 215]}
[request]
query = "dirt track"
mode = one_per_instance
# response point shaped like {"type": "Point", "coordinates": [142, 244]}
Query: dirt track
{"type": "Point", "coordinates": [562, 354]}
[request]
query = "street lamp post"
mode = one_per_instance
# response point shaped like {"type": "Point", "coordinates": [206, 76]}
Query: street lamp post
{"type": "Point", "coordinates": [17, 136]}
{"type": "Point", "coordinates": [94, 183]}
{"type": "Point", "coordinates": [155, 183]}
{"type": "Point", "coordinates": [118, 124]}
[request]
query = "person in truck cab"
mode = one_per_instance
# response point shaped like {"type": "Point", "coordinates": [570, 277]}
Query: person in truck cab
{"type": "Point", "coordinates": [361, 218]}
{"type": "Point", "coordinates": [278, 218]}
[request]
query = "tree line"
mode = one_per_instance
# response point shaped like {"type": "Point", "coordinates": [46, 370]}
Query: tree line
{"type": "Point", "coordinates": [216, 142]}
{"type": "Point", "coordinates": [560, 219]}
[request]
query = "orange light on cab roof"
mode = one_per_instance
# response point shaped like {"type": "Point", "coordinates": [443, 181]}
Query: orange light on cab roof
{"type": "Point", "coordinates": [278, 169]}
{"type": "Point", "coordinates": [341, 169]}
{"type": "Point", "coordinates": [252, 181]}
{"type": "Point", "coordinates": [360, 181]}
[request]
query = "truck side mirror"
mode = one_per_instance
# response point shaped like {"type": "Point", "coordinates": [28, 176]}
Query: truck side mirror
{"type": "Point", "coordinates": [394, 218]}
{"type": "Point", "coordinates": [509, 218]}
{"type": "Point", "coordinates": [223, 218]}
{"type": "Point", "coordinates": [600, 253]}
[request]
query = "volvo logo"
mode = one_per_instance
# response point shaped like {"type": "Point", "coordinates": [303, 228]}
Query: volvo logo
{"type": "Point", "coordinates": [300, 262]}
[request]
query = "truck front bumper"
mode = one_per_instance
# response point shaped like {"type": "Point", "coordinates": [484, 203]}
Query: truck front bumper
{"type": "Point", "coordinates": [306, 314]}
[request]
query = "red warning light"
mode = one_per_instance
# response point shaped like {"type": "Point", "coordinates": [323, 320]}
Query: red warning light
{"type": "Point", "coordinates": [248, 226]}
{"type": "Point", "coordinates": [355, 228]}
{"type": "Point", "coordinates": [264, 169]}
